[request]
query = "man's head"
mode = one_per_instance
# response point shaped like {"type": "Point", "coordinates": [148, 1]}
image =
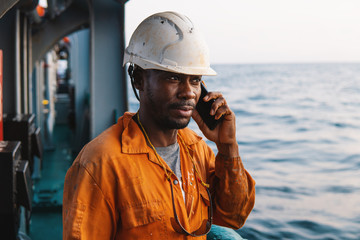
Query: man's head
{"type": "Point", "coordinates": [168, 56]}
{"type": "Point", "coordinates": [169, 98]}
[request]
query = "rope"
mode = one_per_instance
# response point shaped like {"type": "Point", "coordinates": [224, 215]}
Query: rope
{"type": "Point", "coordinates": [192, 160]}
{"type": "Point", "coordinates": [168, 175]}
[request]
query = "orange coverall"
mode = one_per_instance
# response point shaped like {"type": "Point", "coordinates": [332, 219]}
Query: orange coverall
{"type": "Point", "coordinates": [116, 189]}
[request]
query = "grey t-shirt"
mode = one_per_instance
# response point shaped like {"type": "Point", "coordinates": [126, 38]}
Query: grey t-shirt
{"type": "Point", "coordinates": [171, 155]}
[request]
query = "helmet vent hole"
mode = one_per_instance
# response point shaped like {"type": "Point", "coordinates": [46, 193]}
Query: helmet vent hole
{"type": "Point", "coordinates": [143, 43]}
{"type": "Point", "coordinates": [162, 22]}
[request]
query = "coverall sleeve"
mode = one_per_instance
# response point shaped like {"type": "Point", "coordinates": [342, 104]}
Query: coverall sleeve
{"type": "Point", "coordinates": [233, 192]}
{"type": "Point", "coordinates": [87, 214]}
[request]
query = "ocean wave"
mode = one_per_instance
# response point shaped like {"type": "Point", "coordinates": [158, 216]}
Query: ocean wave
{"type": "Point", "coordinates": [341, 189]}
{"type": "Point", "coordinates": [284, 191]}
{"type": "Point", "coordinates": [273, 143]}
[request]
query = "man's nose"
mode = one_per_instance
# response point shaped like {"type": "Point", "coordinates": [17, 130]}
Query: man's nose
{"type": "Point", "coordinates": [187, 90]}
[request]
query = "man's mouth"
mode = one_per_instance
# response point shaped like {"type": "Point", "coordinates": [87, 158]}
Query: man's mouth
{"type": "Point", "coordinates": [183, 110]}
{"type": "Point", "coordinates": [186, 108]}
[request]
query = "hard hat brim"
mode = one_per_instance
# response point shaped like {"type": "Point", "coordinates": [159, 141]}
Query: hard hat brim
{"type": "Point", "coordinates": [147, 64]}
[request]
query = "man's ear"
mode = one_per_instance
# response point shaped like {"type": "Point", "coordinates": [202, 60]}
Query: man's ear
{"type": "Point", "coordinates": [139, 75]}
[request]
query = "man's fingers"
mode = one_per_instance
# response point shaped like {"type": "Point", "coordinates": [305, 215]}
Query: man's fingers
{"type": "Point", "coordinates": [223, 110]}
{"type": "Point", "coordinates": [219, 102]}
{"type": "Point", "coordinates": [212, 95]}
{"type": "Point", "coordinates": [219, 106]}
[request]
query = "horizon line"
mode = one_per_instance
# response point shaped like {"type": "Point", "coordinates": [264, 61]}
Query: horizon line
{"type": "Point", "coordinates": [290, 62]}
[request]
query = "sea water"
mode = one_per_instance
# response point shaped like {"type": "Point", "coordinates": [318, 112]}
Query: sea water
{"type": "Point", "coordinates": [298, 129]}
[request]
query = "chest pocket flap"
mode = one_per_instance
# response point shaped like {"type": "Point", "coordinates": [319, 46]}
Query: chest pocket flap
{"type": "Point", "coordinates": [139, 214]}
{"type": "Point", "coordinates": [204, 195]}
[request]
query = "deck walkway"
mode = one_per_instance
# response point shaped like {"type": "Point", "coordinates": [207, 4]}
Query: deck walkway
{"type": "Point", "coordinates": [46, 219]}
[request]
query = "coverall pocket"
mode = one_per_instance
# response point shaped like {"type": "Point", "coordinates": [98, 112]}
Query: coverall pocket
{"type": "Point", "coordinates": [139, 214]}
{"type": "Point", "coordinates": [204, 196]}
{"type": "Point", "coordinates": [205, 203]}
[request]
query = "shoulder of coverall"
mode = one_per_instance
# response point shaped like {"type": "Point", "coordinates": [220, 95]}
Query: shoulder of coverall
{"type": "Point", "coordinates": [125, 137]}
{"type": "Point", "coordinates": [133, 140]}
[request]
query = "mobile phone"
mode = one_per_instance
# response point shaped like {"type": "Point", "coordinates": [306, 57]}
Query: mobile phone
{"type": "Point", "coordinates": [204, 108]}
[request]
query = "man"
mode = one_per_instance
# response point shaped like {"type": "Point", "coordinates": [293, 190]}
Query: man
{"type": "Point", "coordinates": [148, 176]}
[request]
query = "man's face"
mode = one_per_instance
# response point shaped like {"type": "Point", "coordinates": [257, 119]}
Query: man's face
{"type": "Point", "coordinates": [170, 98]}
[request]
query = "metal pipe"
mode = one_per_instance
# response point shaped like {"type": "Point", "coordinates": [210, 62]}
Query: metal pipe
{"type": "Point", "coordinates": [17, 64]}
{"type": "Point", "coordinates": [24, 64]}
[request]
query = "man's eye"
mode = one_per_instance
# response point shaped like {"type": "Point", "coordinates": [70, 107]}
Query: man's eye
{"type": "Point", "coordinates": [174, 78]}
{"type": "Point", "coordinates": [196, 80]}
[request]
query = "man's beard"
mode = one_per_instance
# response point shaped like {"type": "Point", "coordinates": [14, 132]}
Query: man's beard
{"type": "Point", "coordinates": [167, 123]}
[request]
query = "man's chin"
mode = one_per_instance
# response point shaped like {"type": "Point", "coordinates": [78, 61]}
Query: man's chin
{"type": "Point", "coordinates": [181, 126]}
{"type": "Point", "coordinates": [176, 124]}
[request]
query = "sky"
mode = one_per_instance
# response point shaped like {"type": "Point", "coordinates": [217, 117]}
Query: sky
{"type": "Point", "coordinates": [266, 31]}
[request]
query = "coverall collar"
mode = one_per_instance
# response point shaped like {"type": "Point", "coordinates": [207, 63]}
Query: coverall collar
{"type": "Point", "coordinates": [133, 140]}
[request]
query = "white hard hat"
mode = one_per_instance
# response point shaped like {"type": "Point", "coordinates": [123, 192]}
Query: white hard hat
{"type": "Point", "coordinates": [169, 41]}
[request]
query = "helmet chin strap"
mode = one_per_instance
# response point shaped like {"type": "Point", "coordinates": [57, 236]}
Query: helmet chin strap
{"type": "Point", "coordinates": [131, 74]}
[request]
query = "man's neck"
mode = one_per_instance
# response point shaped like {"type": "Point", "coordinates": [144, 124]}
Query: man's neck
{"type": "Point", "coordinates": [159, 137]}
